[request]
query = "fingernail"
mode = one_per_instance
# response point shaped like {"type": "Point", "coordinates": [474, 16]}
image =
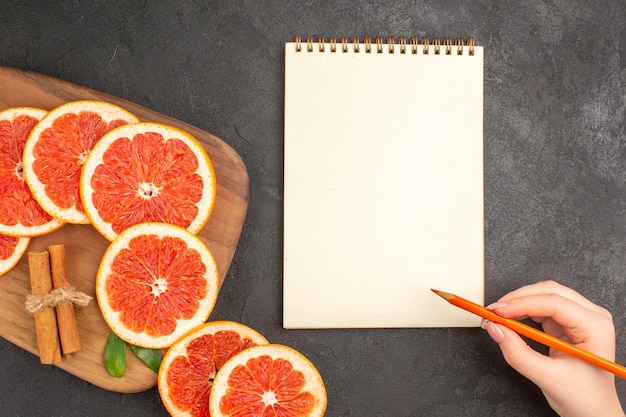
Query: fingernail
{"type": "Point", "coordinates": [495, 305]}
{"type": "Point", "coordinates": [494, 332]}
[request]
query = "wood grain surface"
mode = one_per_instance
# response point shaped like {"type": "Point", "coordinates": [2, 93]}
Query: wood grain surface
{"type": "Point", "coordinates": [85, 246]}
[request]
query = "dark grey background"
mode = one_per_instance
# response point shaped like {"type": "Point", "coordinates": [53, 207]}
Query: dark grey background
{"type": "Point", "coordinates": [555, 189]}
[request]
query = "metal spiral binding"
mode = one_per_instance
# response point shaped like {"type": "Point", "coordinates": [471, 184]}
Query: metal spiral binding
{"type": "Point", "coordinates": [415, 45]}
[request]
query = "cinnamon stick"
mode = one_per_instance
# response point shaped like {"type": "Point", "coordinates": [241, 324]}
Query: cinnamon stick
{"type": "Point", "coordinates": [66, 318]}
{"type": "Point", "coordinates": [45, 319]}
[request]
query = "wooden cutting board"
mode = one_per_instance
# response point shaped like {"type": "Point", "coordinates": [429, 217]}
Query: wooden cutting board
{"type": "Point", "coordinates": [84, 246]}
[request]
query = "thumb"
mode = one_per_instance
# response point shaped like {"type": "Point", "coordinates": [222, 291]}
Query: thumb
{"type": "Point", "coordinates": [521, 357]}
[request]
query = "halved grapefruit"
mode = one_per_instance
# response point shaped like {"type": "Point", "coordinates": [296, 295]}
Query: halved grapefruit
{"type": "Point", "coordinates": [56, 149]}
{"type": "Point", "coordinates": [268, 380]}
{"type": "Point", "coordinates": [11, 250]}
{"type": "Point", "coordinates": [189, 366]}
{"type": "Point", "coordinates": [155, 282]}
{"type": "Point", "coordinates": [147, 172]}
{"type": "Point", "coordinates": [20, 214]}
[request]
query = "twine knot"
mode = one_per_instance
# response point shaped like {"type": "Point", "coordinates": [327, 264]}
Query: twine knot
{"type": "Point", "coordinates": [56, 297]}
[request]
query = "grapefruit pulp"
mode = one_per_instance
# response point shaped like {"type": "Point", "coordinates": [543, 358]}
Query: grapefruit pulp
{"type": "Point", "coordinates": [20, 214]}
{"type": "Point", "coordinates": [56, 149]}
{"type": "Point", "coordinates": [268, 380]}
{"type": "Point", "coordinates": [155, 282]}
{"type": "Point", "coordinates": [147, 172]}
{"type": "Point", "coordinates": [189, 366]}
{"type": "Point", "coordinates": [11, 250]}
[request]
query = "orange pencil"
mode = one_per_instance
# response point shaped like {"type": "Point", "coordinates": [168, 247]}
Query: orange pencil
{"type": "Point", "coordinates": [534, 334]}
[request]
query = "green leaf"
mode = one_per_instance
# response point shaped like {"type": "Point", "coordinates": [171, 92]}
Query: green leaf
{"type": "Point", "coordinates": [150, 357]}
{"type": "Point", "coordinates": [115, 355]}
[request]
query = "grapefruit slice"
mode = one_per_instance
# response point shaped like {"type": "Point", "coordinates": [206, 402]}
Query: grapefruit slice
{"type": "Point", "coordinates": [20, 214]}
{"type": "Point", "coordinates": [147, 172]}
{"type": "Point", "coordinates": [155, 282]}
{"type": "Point", "coordinates": [268, 380]}
{"type": "Point", "coordinates": [56, 149]}
{"type": "Point", "coordinates": [189, 366]}
{"type": "Point", "coordinates": [11, 250]}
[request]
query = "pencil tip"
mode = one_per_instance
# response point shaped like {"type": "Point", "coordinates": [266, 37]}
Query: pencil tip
{"type": "Point", "coordinates": [444, 295]}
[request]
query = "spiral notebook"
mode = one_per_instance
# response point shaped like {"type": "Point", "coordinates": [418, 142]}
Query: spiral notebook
{"type": "Point", "coordinates": [383, 182]}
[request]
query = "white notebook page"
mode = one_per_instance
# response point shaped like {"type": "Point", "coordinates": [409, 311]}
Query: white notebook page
{"type": "Point", "coordinates": [383, 187]}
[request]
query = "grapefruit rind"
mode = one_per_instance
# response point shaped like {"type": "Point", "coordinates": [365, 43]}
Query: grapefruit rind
{"type": "Point", "coordinates": [205, 307]}
{"type": "Point", "coordinates": [95, 159]}
{"type": "Point", "coordinates": [179, 348]}
{"type": "Point", "coordinates": [12, 112]}
{"type": "Point", "coordinates": [107, 111]}
{"type": "Point", "coordinates": [18, 229]}
{"type": "Point", "coordinates": [7, 264]}
{"type": "Point", "coordinates": [313, 380]}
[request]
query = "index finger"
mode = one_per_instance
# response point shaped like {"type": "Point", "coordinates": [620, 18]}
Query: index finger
{"type": "Point", "coordinates": [580, 324]}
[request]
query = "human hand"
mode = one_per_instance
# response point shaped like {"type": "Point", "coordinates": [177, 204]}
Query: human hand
{"type": "Point", "coordinates": [572, 387]}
